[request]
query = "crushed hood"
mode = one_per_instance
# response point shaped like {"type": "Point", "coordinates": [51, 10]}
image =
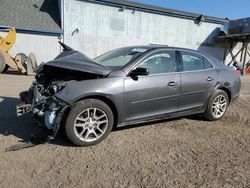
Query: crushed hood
{"type": "Point", "coordinates": [74, 60]}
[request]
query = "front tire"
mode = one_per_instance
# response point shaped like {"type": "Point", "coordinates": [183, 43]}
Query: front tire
{"type": "Point", "coordinates": [89, 122]}
{"type": "Point", "coordinates": [217, 106]}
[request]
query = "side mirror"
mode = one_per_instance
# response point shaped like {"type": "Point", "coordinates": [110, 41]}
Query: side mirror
{"type": "Point", "coordinates": [139, 71]}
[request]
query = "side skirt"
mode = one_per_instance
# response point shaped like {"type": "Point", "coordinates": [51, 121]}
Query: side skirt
{"type": "Point", "coordinates": [164, 116]}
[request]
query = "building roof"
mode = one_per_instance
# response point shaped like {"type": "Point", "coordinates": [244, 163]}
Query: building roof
{"type": "Point", "coordinates": [31, 15]}
{"type": "Point", "coordinates": [234, 37]}
{"type": "Point", "coordinates": [157, 10]}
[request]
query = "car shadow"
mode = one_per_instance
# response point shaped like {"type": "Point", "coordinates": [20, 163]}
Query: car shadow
{"type": "Point", "coordinates": [10, 124]}
{"type": "Point", "coordinates": [26, 128]}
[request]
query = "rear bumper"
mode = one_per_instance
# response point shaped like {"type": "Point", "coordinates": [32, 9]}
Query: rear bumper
{"type": "Point", "coordinates": [234, 98]}
{"type": "Point", "coordinates": [235, 90]}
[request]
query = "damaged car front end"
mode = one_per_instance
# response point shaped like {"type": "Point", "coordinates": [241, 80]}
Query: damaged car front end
{"type": "Point", "coordinates": [44, 106]}
{"type": "Point", "coordinates": [41, 101]}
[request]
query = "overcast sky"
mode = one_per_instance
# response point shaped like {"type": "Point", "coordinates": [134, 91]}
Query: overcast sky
{"type": "Point", "coordinates": [232, 9]}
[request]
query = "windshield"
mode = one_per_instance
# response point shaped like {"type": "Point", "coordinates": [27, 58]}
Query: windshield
{"type": "Point", "coordinates": [118, 58]}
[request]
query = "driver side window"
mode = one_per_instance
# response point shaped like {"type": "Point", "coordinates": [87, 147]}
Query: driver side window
{"type": "Point", "coordinates": [158, 63]}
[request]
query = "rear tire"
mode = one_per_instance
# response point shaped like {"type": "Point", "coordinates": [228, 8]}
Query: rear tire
{"type": "Point", "coordinates": [89, 122]}
{"type": "Point", "coordinates": [2, 63]}
{"type": "Point", "coordinates": [217, 106]}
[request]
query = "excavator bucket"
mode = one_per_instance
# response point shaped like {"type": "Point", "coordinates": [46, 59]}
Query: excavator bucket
{"type": "Point", "coordinates": [9, 40]}
{"type": "Point", "coordinates": [6, 44]}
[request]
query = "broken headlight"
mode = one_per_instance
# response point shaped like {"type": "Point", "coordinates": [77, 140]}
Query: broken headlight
{"type": "Point", "coordinates": [54, 88]}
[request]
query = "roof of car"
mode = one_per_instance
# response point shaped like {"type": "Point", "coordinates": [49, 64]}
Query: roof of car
{"type": "Point", "coordinates": [159, 46]}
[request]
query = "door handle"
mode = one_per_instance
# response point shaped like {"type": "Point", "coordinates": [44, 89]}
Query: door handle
{"type": "Point", "coordinates": [172, 84]}
{"type": "Point", "coordinates": [210, 79]}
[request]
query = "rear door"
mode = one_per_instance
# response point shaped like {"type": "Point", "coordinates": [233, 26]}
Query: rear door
{"type": "Point", "coordinates": [198, 78]}
{"type": "Point", "coordinates": [155, 94]}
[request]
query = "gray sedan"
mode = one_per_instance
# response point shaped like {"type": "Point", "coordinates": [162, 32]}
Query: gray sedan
{"type": "Point", "coordinates": [89, 97]}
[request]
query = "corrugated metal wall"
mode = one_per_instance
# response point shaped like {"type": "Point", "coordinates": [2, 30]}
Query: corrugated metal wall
{"type": "Point", "coordinates": [102, 28]}
{"type": "Point", "coordinates": [45, 47]}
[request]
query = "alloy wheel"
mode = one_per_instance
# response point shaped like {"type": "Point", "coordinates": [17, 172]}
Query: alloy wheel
{"type": "Point", "coordinates": [91, 124]}
{"type": "Point", "coordinates": [219, 106]}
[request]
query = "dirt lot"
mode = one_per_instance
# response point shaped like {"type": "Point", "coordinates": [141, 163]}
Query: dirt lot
{"type": "Point", "coordinates": [185, 152]}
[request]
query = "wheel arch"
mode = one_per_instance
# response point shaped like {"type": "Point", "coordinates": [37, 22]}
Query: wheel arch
{"type": "Point", "coordinates": [107, 101]}
{"type": "Point", "coordinates": [228, 92]}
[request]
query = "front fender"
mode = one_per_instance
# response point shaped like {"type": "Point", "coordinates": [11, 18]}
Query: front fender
{"type": "Point", "coordinates": [111, 88]}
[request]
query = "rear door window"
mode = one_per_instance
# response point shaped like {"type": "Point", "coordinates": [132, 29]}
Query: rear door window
{"type": "Point", "coordinates": [194, 62]}
{"type": "Point", "coordinates": [207, 64]}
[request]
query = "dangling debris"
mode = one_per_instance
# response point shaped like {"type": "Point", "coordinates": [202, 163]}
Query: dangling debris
{"type": "Point", "coordinates": [43, 138]}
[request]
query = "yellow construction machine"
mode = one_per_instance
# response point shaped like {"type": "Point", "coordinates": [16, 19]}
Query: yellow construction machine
{"type": "Point", "coordinates": [21, 62]}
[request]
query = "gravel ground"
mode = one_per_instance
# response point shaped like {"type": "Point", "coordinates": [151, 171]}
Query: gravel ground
{"type": "Point", "coordinates": [184, 152]}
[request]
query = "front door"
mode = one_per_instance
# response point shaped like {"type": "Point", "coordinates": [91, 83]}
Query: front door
{"type": "Point", "coordinates": [155, 94]}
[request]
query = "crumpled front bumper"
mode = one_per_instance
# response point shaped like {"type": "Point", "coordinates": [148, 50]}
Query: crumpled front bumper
{"type": "Point", "coordinates": [48, 111]}
{"type": "Point", "coordinates": [22, 109]}
{"type": "Point", "coordinates": [53, 108]}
